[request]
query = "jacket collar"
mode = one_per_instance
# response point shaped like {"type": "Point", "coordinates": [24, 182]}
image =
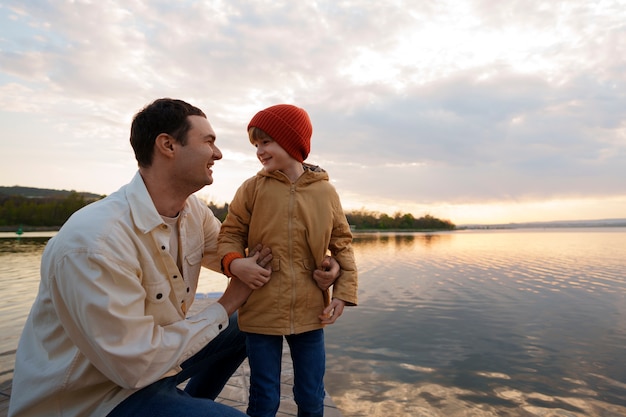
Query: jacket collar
{"type": "Point", "coordinates": [144, 213]}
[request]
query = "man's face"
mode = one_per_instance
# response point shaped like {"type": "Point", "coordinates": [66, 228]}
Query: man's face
{"type": "Point", "coordinates": [195, 160]}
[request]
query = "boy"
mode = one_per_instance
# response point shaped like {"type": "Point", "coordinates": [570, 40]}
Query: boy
{"type": "Point", "coordinates": [291, 207]}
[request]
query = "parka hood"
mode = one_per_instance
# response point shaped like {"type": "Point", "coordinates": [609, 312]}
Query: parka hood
{"type": "Point", "coordinates": [312, 173]}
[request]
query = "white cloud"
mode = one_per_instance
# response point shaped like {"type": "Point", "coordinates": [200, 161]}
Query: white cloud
{"type": "Point", "coordinates": [412, 101]}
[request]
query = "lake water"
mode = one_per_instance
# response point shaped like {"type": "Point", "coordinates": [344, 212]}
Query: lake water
{"type": "Point", "coordinates": [468, 323]}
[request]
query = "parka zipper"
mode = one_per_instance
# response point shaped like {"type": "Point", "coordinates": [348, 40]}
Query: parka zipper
{"type": "Point", "coordinates": [292, 305]}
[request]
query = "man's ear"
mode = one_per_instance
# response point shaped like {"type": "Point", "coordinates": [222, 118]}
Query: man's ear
{"type": "Point", "coordinates": [164, 145]}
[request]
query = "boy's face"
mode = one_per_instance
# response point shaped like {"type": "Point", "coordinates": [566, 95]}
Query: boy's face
{"type": "Point", "coordinates": [272, 156]}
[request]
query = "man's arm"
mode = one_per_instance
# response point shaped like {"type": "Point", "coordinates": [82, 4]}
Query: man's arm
{"type": "Point", "coordinates": [235, 295]}
{"type": "Point", "coordinates": [103, 313]}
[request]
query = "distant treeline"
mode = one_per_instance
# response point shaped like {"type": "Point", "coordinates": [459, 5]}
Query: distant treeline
{"type": "Point", "coordinates": [16, 210]}
{"type": "Point", "coordinates": [364, 220]}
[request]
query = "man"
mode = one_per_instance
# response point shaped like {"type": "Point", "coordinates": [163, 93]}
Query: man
{"type": "Point", "coordinates": [108, 332]}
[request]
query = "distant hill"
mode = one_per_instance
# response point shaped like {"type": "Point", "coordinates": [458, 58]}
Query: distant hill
{"type": "Point", "coordinates": [550, 224]}
{"type": "Point", "coordinates": [30, 192]}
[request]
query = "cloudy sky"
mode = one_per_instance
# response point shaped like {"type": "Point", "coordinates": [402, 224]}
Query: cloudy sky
{"type": "Point", "coordinates": [477, 111]}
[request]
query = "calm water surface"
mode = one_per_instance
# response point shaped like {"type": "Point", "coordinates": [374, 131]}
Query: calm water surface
{"type": "Point", "coordinates": [468, 323]}
{"type": "Point", "coordinates": [485, 323]}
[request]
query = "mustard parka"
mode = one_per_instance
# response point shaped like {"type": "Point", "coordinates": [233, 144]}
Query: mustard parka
{"type": "Point", "coordinates": [300, 222]}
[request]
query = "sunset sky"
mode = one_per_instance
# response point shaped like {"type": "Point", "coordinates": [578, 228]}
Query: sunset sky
{"type": "Point", "coordinates": [474, 111]}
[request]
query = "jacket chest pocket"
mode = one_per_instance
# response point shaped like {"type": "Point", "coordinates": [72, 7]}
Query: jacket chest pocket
{"type": "Point", "coordinates": [193, 263]}
{"type": "Point", "coordinates": [157, 293]}
{"type": "Point", "coordinates": [194, 257]}
{"type": "Point", "coordinates": [159, 304]}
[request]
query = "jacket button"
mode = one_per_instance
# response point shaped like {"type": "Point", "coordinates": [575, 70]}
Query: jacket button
{"type": "Point", "coordinates": [159, 296]}
{"type": "Point", "coordinates": [175, 276]}
{"type": "Point", "coordinates": [163, 247]}
{"type": "Point", "coordinates": [219, 327]}
{"type": "Point", "coordinates": [187, 289]}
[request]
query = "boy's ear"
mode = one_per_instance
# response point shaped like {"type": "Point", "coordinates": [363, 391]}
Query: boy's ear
{"type": "Point", "coordinates": [164, 145]}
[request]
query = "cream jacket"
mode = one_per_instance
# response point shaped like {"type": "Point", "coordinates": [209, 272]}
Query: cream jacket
{"type": "Point", "coordinates": [109, 317]}
{"type": "Point", "coordinates": [300, 222]}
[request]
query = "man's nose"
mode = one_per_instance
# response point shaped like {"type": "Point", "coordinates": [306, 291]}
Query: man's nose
{"type": "Point", "coordinates": [217, 154]}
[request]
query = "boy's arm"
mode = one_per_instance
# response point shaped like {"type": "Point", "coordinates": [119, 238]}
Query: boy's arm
{"type": "Point", "coordinates": [250, 272]}
{"type": "Point", "coordinates": [254, 271]}
{"type": "Point", "coordinates": [345, 287]}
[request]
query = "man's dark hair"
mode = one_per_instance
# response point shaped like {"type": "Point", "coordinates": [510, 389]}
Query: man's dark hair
{"type": "Point", "coordinates": [165, 115]}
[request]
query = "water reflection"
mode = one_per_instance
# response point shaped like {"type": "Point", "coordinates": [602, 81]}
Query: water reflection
{"type": "Point", "coordinates": [399, 240]}
{"type": "Point", "coordinates": [19, 280]}
{"type": "Point", "coordinates": [518, 324]}
{"type": "Point", "coordinates": [21, 244]}
{"type": "Point", "coordinates": [495, 323]}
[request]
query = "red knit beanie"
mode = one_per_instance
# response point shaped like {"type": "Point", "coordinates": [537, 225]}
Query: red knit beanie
{"type": "Point", "coordinates": [289, 126]}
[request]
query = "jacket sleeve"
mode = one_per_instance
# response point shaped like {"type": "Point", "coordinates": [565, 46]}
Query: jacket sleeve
{"type": "Point", "coordinates": [346, 286]}
{"type": "Point", "coordinates": [211, 227]}
{"type": "Point", "coordinates": [233, 236]}
{"type": "Point", "coordinates": [103, 313]}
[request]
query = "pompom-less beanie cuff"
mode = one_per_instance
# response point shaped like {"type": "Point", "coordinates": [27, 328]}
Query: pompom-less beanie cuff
{"type": "Point", "coordinates": [289, 126]}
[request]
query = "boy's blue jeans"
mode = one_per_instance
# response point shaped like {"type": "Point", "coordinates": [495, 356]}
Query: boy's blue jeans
{"type": "Point", "coordinates": [309, 364]}
{"type": "Point", "coordinates": [207, 371]}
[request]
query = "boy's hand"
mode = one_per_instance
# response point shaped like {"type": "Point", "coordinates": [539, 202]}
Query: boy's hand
{"type": "Point", "coordinates": [333, 311]}
{"type": "Point", "coordinates": [250, 272]}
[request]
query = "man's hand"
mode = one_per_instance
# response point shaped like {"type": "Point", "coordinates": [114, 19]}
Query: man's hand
{"type": "Point", "coordinates": [326, 275]}
{"type": "Point", "coordinates": [265, 255]}
{"type": "Point", "coordinates": [333, 311]}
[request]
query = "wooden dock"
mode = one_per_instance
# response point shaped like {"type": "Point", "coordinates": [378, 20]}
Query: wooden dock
{"type": "Point", "coordinates": [235, 393]}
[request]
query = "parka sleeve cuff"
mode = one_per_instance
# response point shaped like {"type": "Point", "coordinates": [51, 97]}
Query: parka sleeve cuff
{"type": "Point", "coordinates": [227, 259]}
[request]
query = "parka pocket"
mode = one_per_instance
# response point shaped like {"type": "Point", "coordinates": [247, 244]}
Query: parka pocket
{"type": "Point", "coordinates": [315, 296]}
{"type": "Point", "coordinates": [267, 299]}
{"type": "Point", "coordinates": [275, 264]}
